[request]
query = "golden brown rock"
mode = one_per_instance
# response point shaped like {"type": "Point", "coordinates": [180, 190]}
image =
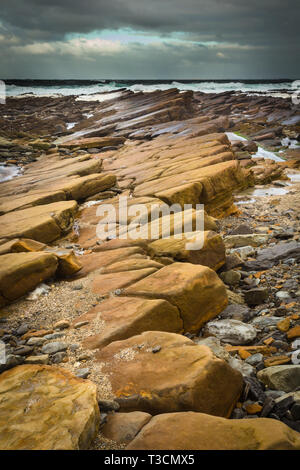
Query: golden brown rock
{"type": "Point", "coordinates": [46, 408]}
{"type": "Point", "coordinates": [197, 431]}
{"type": "Point", "coordinates": [21, 272]}
{"type": "Point", "coordinates": [196, 291]}
{"type": "Point", "coordinates": [125, 316]}
{"type": "Point", "coordinates": [161, 372]}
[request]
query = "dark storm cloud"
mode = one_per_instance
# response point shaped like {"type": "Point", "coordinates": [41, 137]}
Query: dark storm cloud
{"type": "Point", "coordinates": [257, 21]}
{"type": "Point", "coordinates": [251, 38]}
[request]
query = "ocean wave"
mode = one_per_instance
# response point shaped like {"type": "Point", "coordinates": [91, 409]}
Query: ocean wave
{"type": "Point", "coordinates": [104, 86]}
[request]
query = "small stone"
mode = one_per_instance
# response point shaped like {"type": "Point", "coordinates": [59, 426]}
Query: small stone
{"type": "Point", "coordinates": [238, 413]}
{"type": "Point", "coordinates": [253, 408]}
{"type": "Point", "coordinates": [80, 324]}
{"type": "Point", "coordinates": [73, 347]}
{"type": "Point", "coordinates": [156, 349]}
{"type": "Point", "coordinates": [59, 357]}
{"type": "Point", "coordinates": [82, 373]}
{"type": "Point", "coordinates": [294, 332]}
{"type": "Point", "coordinates": [52, 348]}
{"type": "Point", "coordinates": [41, 359]}
{"type": "Point", "coordinates": [37, 334]}
{"type": "Point", "coordinates": [108, 405]}
{"type": "Point", "coordinates": [256, 296]}
{"type": "Point", "coordinates": [276, 361]}
{"type": "Point", "coordinates": [22, 330]}
{"type": "Point", "coordinates": [267, 407]}
{"type": "Point", "coordinates": [283, 377]}
{"type": "Point", "coordinates": [23, 350]}
{"type": "Point", "coordinates": [282, 295]}
{"type": "Point", "coordinates": [283, 325]}
{"type": "Point", "coordinates": [36, 341]}
{"type": "Point", "coordinates": [231, 277]}
{"type": "Point", "coordinates": [61, 325]}
{"type": "Point", "coordinates": [254, 359]}
{"type": "Point", "coordinates": [295, 411]}
{"type": "Point", "coordinates": [77, 287]}
{"type": "Point", "coordinates": [54, 336]}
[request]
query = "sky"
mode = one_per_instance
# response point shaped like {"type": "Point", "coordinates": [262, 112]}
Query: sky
{"type": "Point", "coordinates": [154, 39]}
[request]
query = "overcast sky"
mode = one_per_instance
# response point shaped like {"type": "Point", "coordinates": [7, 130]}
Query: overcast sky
{"type": "Point", "coordinates": [149, 39]}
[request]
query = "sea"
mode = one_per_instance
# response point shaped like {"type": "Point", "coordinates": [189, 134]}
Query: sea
{"type": "Point", "coordinates": [277, 88]}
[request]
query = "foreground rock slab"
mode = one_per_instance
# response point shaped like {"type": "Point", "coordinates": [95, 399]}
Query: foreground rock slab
{"type": "Point", "coordinates": [160, 372]}
{"type": "Point", "coordinates": [196, 291]}
{"type": "Point", "coordinates": [21, 272]}
{"type": "Point", "coordinates": [197, 431]}
{"type": "Point", "coordinates": [46, 408]}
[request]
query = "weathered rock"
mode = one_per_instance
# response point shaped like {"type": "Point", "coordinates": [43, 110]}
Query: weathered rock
{"type": "Point", "coordinates": [123, 427]}
{"type": "Point", "coordinates": [128, 316]}
{"type": "Point", "coordinates": [212, 254]}
{"type": "Point", "coordinates": [41, 223]}
{"type": "Point", "coordinates": [21, 272]}
{"type": "Point", "coordinates": [142, 380]}
{"type": "Point", "coordinates": [237, 312]}
{"type": "Point", "coordinates": [231, 331]}
{"type": "Point", "coordinates": [46, 408]}
{"type": "Point", "coordinates": [283, 377]}
{"type": "Point", "coordinates": [196, 291]}
{"type": "Point", "coordinates": [197, 431]}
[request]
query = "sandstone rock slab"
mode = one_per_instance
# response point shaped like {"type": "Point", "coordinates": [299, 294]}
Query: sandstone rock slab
{"type": "Point", "coordinates": [46, 408]}
{"type": "Point", "coordinates": [160, 372]}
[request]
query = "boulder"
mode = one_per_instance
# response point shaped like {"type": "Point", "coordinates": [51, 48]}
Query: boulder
{"type": "Point", "coordinates": [22, 272]}
{"type": "Point", "coordinates": [195, 290]}
{"type": "Point", "coordinates": [46, 408]}
{"type": "Point", "coordinates": [159, 372]}
{"type": "Point", "coordinates": [197, 431]}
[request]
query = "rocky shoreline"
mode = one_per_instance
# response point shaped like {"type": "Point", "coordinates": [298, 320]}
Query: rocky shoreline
{"type": "Point", "coordinates": [141, 344]}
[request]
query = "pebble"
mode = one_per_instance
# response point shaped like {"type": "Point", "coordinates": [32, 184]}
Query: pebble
{"type": "Point", "coordinates": [256, 296]}
{"type": "Point", "coordinates": [82, 373]}
{"type": "Point", "coordinates": [22, 330]}
{"type": "Point", "coordinates": [61, 325]}
{"type": "Point", "coordinates": [56, 346]}
{"type": "Point", "coordinates": [80, 324]}
{"type": "Point", "coordinates": [59, 357]}
{"type": "Point", "coordinates": [40, 359]}
{"type": "Point", "coordinates": [254, 359]}
{"type": "Point", "coordinates": [36, 341]}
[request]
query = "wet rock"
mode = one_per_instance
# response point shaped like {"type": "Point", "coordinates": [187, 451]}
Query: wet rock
{"type": "Point", "coordinates": [59, 357]}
